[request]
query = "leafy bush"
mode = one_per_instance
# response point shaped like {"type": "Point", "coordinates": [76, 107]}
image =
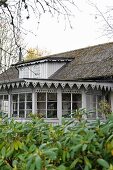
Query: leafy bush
{"type": "Point", "coordinates": [104, 107]}
{"type": "Point", "coordinates": [36, 145]}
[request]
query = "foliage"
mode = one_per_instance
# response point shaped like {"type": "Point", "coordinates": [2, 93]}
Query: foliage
{"type": "Point", "coordinates": [36, 145]}
{"type": "Point", "coordinates": [34, 53]}
{"type": "Point", "coordinates": [104, 107]}
{"type": "Point", "coordinates": [79, 114]}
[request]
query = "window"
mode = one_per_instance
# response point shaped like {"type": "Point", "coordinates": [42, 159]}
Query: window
{"type": "Point", "coordinates": [22, 104]}
{"type": "Point", "coordinates": [92, 105]}
{"type": "Point", "coordinates": [51, 105]}
{"type": "Point", "coordinates": [4, 103]}
{"type": "Point", "coordinates": [15, 105]}
{"type": "Point", "coordinates": [24, 72]}
{"type": "Point", "coordinates": [36, 71]}
{"type": "Point", "coordinates": [70, 102]}
{"type": "Point", "coordinates": [47, 104]}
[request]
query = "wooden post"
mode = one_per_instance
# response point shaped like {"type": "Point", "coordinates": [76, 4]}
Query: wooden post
{"type": "Point", "coordinates": [9, 106]}
{"type": "Point", "coordinates": [111, 101]}
{"type": "Point", "coordinates": [59, 105]}
{"type": "Point", "coordinates": [33, 101]}
{"type": "Point", "coordinates": [83, 99]}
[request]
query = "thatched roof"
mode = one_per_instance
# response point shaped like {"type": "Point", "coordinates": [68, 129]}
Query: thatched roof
{"type": "Point", "coordinates": [9, 75]}
{"type": "Point", "coordinates": [95, 62]}
{"type": "Point", "coordinates": [92, 62]}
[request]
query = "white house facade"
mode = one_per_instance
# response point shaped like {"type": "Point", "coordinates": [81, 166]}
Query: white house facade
{"type": "Point", "coordinates": [57, 85]}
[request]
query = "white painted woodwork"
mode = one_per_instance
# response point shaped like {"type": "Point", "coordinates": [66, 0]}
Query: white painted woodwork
{"type": "Point", "coordinates": [21, 90]}
{"type": "Point", "coordinates": [111, 101]}
{"type": "Point", "coordinates": [59, 105]}
{"type": "Point", "coordinates": [9, 106]}
{"type": "Point", "coordinates": [83, 99]}
{"type": "Point", "coordinates": [53, 67]}
{"type": "Point", "coordinates": [41, 70]}
{"type": "Point", "coordinates": [53, 121]}
{"type": "Point", "coordinates": [84, 102]}
{"type": "Point", "coordinates": [33, 101]}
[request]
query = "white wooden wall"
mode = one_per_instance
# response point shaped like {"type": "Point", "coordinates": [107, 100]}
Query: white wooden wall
{"type": "Point", "coordinates": [42, 70]}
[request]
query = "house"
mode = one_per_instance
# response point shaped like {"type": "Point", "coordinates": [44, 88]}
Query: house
{"type": "Point", "coordinates": [57, 85]}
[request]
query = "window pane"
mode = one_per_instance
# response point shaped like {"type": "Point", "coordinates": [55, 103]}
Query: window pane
{"type": "Point", "coordinates": [66, 109]}
{"type": "Point", "coordinates": [21, 105]}
{"type": "Point", "coordinates": [76, 97]}
{"type": "Point", "coordinates": [91, 106]}
{"type": "Point", "coordinates": [41, 108]}
{"type": "Point", "coordinates": [51, 97]}
{"type": "Point", "coordinates": [6, 106]}
{"type": "Point", "coordinates": [21, 97]}
{"type": "Point", "coordinates": [4, 103]}
{"type": "Point", "coordinates": [6, 97]}
{"type": "Point", "coordinates": [42, 112]}
{"type": "Point", "coordinates": [21, 114]}
{"type": "Point", "coordinates": [107, 97]}
{"type": "Point", "coordinates": [14, 114]}
{"type": "Point", "coordinates": [41, 105]}
{"type": "Point", "coordinates": [51, 113]}
{"type": "Point", "coordinates": [15, 97]}
{"type": "Point", "coordinates": [91, 102]}
{"type": "Point", "coordinates": [100, 114]}
{"type": "Point", "coordinates": [52, 105]}
{"type": "Point", "coordinates": [66, 113]}
{"type": "Point", "coordinates": [76, 106]}
{"type": "Point", "coordinates": [99, 99]}
{"type": "Point", "coordinates": [28, 105]}
{"type": "Point", "coordinates": [15, 106]}
{"type": "Point", "coordinates": [66, 97]}
{"type": "Point", "coordinates": [41, 97]}
{"type": "Point", "coordinates": [28, 112]}
{"type": "Point", "coordinates": [1, 102]}
{"type": "Point", "coordinates": [1, 97]}
{"type": "Point", "coordinates": [1, 105]}
{"type": "Point", "coordinates": [66, 106]}
{"type": "Point", "coordinates": [28, 96]}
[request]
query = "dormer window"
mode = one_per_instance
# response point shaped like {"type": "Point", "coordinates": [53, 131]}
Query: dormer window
{"type": "Point", "coordinates": [24, 72]}
{"type": "Point", "coordinates": [36, 71]}
{"type": "Point", "coordinates": [41, 69]}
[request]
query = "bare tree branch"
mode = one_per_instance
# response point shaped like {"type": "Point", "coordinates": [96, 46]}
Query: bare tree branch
{"type": "Point", "coordinates": [106, 18]}
{"type": "Point", "coordinates": [17, 9]}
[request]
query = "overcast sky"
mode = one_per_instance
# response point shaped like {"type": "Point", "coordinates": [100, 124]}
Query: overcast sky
{"type": "Point", "coordinates": [87, 29]}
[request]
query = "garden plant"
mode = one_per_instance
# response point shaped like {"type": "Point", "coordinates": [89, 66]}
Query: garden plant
{"type": "Point", "coordinates": [74, 145]}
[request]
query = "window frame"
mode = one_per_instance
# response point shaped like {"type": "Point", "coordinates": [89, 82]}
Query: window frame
{"type": "Point", "coordinates": [71, 103]}
{"type": "Point", "coordinates": [24, 72]}
{"type": "Point", "coordinates": [47, 104]}
{"type": "Point", "coordinates": [36, 71]}
{"type": "Point", "coordinates": [94, 110]}
{"type": "Point", "coordinates": [18, 104]}
{"type": "Point", "coordinates": [5, 108]}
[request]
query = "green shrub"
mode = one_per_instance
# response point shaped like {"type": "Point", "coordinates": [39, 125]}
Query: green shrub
{"type": "Point", "coordinates": [104, 108]}
{"type": "Point", "coordinates": [36, 145]}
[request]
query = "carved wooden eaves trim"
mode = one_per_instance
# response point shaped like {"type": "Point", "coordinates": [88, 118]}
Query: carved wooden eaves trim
{"type": "Point", "coordinates": [56, 84]}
